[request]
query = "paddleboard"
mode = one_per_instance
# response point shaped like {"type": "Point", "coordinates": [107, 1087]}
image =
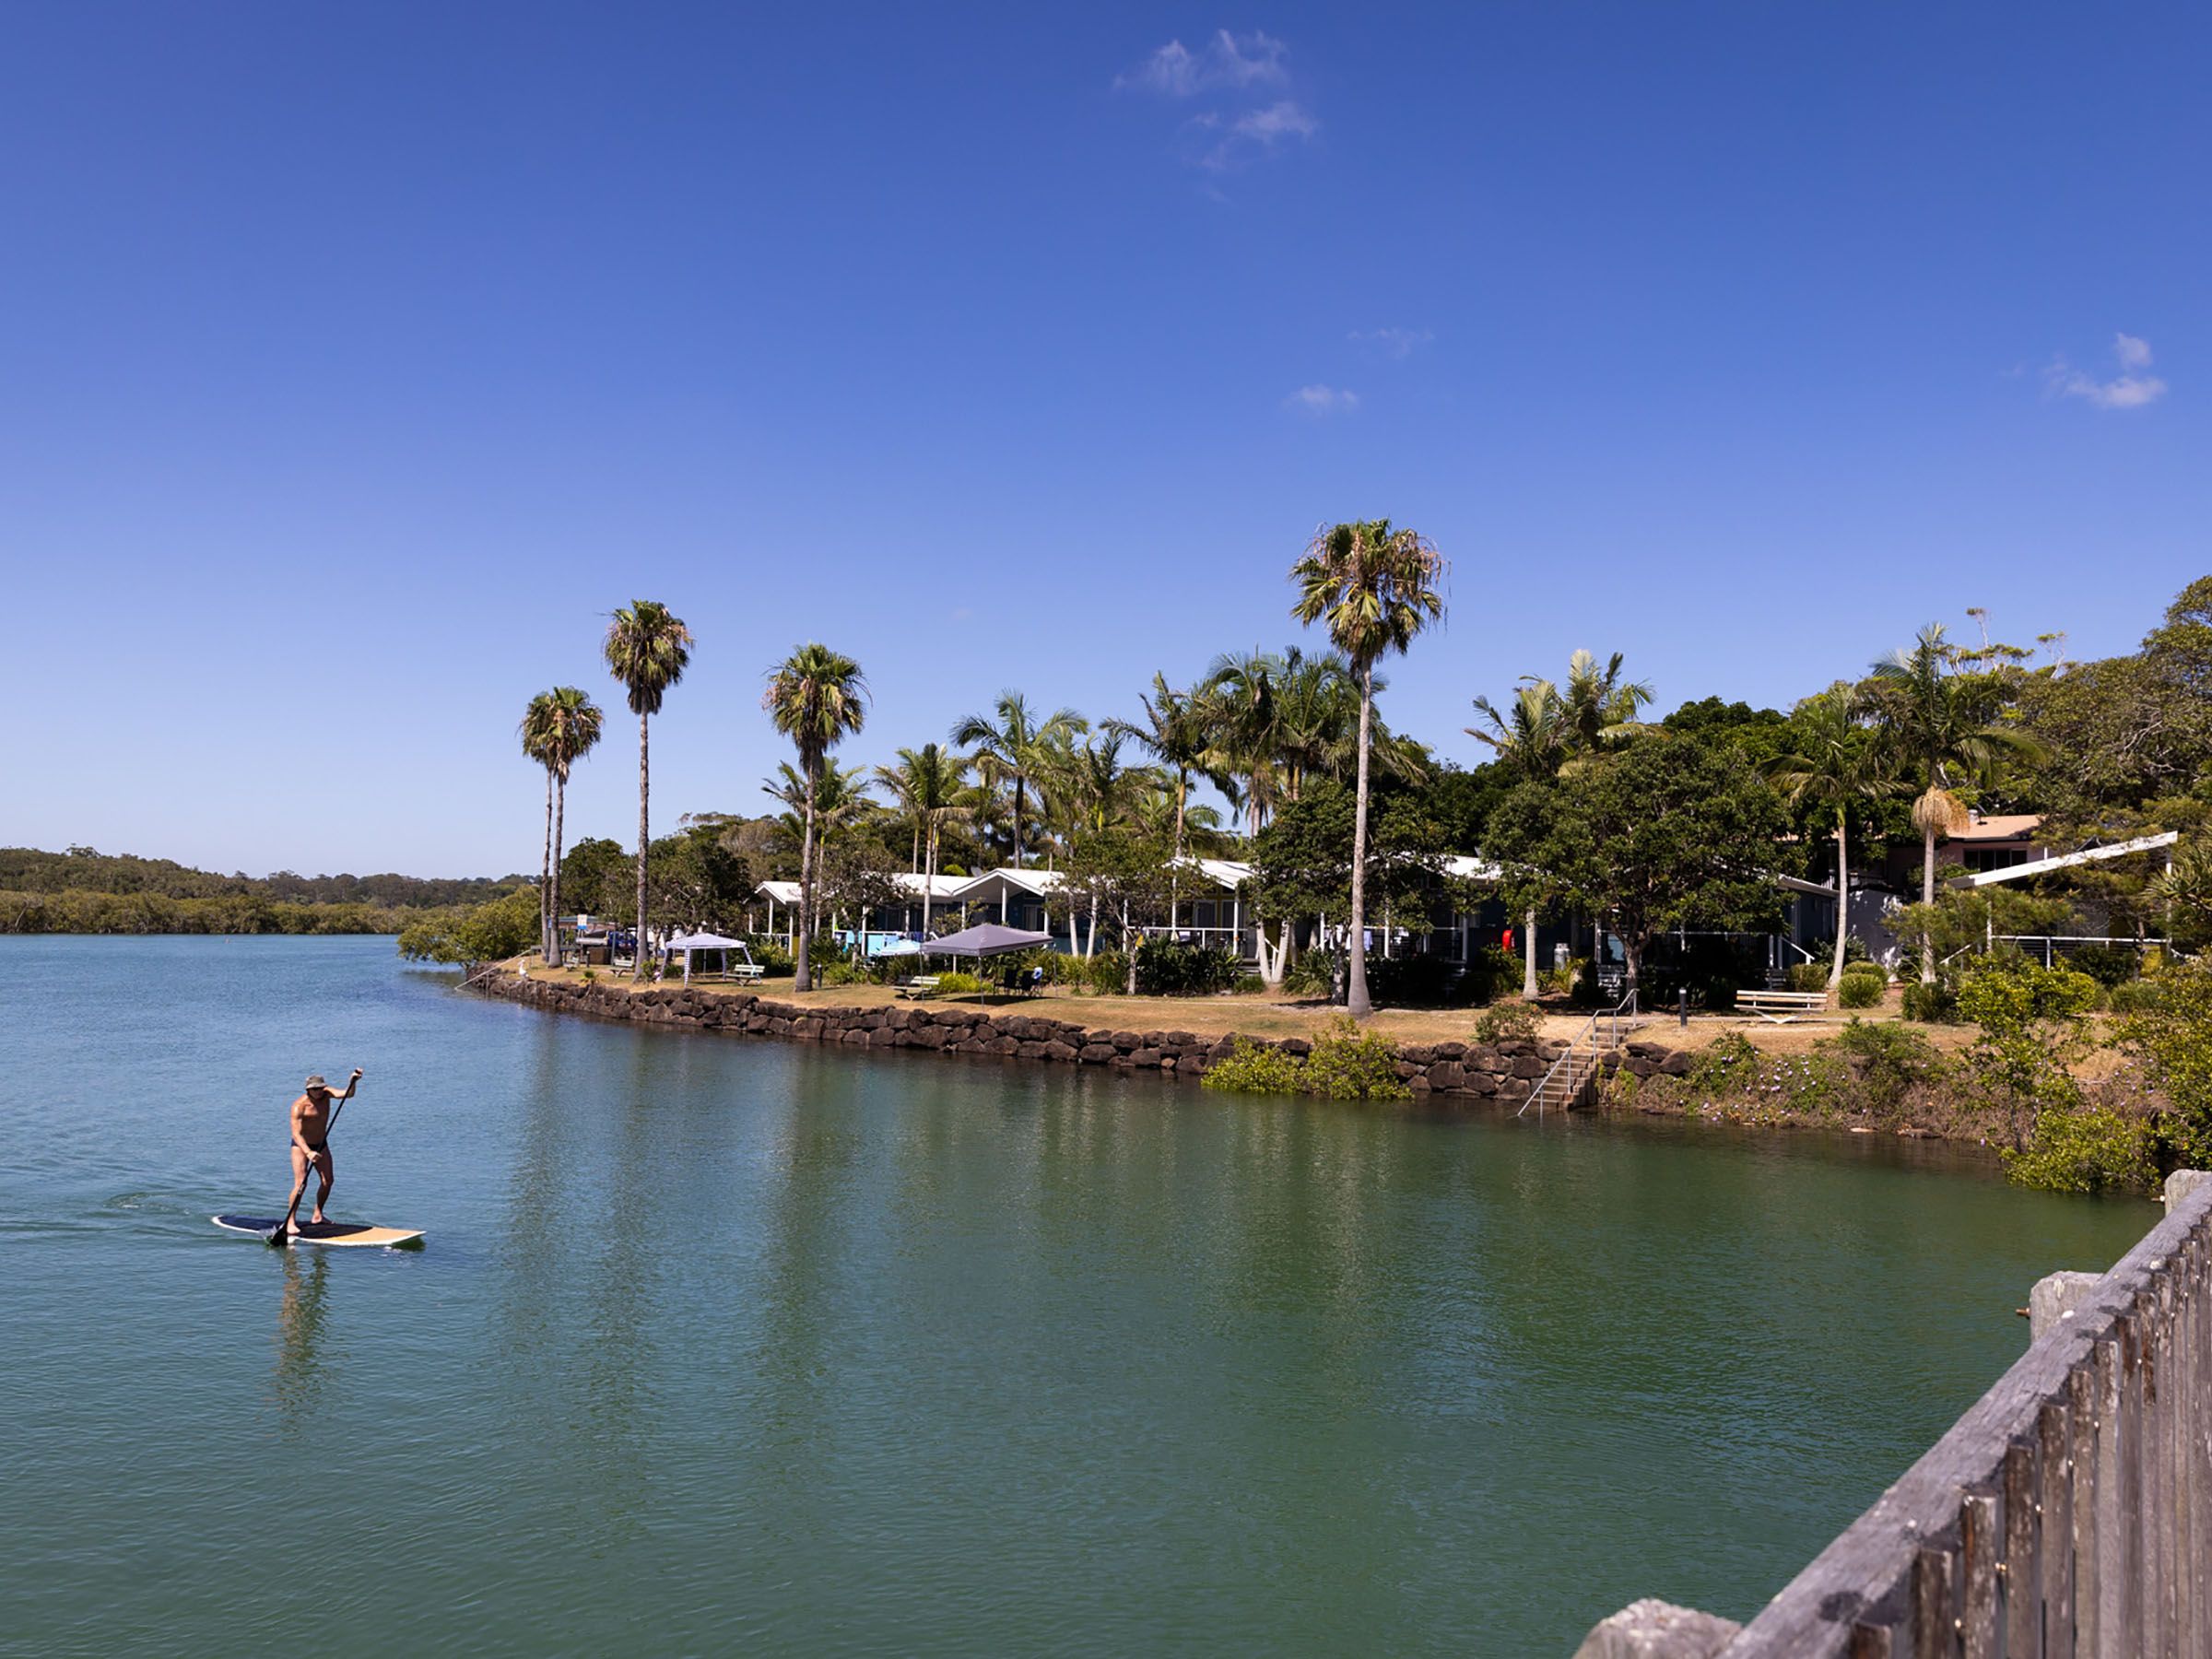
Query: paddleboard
{"type": "Point", "coordinates": [325, 1232]}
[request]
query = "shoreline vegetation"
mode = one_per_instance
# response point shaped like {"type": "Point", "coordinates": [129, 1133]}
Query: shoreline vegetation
{"type": "Point", "coordinates": [1877, 1074]}
{"type": "Point", "coordinates": [84, 891]}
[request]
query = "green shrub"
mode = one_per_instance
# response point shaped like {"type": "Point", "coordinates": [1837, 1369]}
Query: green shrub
{"type": "Point", "coordinates": [1255, 1068]}
{"type": "Point", "coordinates": [773, 960]}
{"type": "Point", "coordinates": [1889, 1060]}
{"type": "Point", "coordinates": [1862, 991]}
{"type": "Point", "coordinates": [2009, 994]}
{"type": "Point", "coordinates": [1809, 976]}
{"type": "Point", "coordinates": [2135, 997]}
{"type": "Point", "coordinates": [2087, 1149]}
{"type": "Point", "coordinates": [1508, 1022]}
{"type": "Point", "coordinates": [1729, 1062]}
{"type": "Point", "coordinates": [2109, 965]}
{"type": "Point", "coordinates": [1417, 982]}
{"type": "Point", "coordinates": [1348, 1064]}
{"type": "Point", "coordinates": [1491, 972]}
{"type": "Point", "coordinates": [1312, 975]}
{"type": "Point", "coordinates": [958, 984]}
{"type": "Point", "coordinates": [1169, 968]}
{"type": "Point", "coordinates": [844, 973]}
{"type": "Point", "coordinates": [1934, 1004]}
{"type": "Point", "coordinates": [2173, 1037]}
{"type": "Point", "coordinates": [1107, 973]}
{"type": "Point", "coordinates": [1555, 981]}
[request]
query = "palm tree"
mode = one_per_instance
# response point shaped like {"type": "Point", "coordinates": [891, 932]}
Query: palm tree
{"type": "Point", "coordinates": [1531, 738]}
{"type": "Point", "coordinates": [931, 784]}
{"type": "Point", "coordinates": [1599, 706]}
{"type": "Point", "coordinates": [1935, 717]}
{"type": "Point", "coordinates": [1239, 693]}
{"type": "Point", "coordinates": [1837, 766]}
{"type": "Point", "coordinates": [817, 698]}
{"type": "Point", "coordinates": [1178, 732]}
{"type": "Point", "coordinates": [559, 728]}
{"type": "Point", "coordinates": [1375, 588]}
{"type": "Point", "coordinates": [1007, 743]}
{"type": "Point", "coordinates": [533, 732]}
{"type": "Point", "coordinates": [648, 648]}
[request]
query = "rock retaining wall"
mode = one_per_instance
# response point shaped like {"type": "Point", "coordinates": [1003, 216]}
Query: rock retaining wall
{"type": "Point", "coordinates": [1504, 1072]}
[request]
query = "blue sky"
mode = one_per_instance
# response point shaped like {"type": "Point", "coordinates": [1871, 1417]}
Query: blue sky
{"type": "Point", "coordinates": [355, 365]}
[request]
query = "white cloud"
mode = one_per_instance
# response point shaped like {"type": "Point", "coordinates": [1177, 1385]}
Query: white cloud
{"type": "Point", "coordinates": [1255, 133]}
{"type": "Point", "coordinates": [1243, 83]}
{"type": "Point", "coordinates": [1228, 60]}
{"type": "Point", "coordinates": [2130, 389]}
{"type": "Point", "coordinates": [1399, 343]}
{"type": "Point", "coordinates": [1322, 400]}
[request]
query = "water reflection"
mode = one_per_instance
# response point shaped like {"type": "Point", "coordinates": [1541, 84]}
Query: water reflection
{"type": "Point", "coordinates": [301, 1311]}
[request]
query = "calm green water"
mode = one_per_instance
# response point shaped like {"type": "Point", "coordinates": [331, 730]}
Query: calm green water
{"type": "Point", "coordinates": [727, 1347]}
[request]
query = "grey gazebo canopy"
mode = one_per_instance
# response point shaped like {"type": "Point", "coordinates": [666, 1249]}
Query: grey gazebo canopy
{"type": "Point", "coordinates": [988, 939]}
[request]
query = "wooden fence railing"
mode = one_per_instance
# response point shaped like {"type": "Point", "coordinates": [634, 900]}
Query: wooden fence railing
{"type": "Point", "coordinates": [2066, 1515]}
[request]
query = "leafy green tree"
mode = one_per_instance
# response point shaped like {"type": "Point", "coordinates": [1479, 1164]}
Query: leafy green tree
{"type": "Point", "coordinates": [648, 647]}
{"type": "Point", "coordinates": [1302, 862]}
{"type": "Point", "coordinates": [487, 933]}
{"type": "Point", "coordinates": [2185, 892]}
{"type": "Point", "coordinates": [1665, 834]}
{"type": "Point", "coordinates": [1126, 875]}
{"type": "Point", "coordinates": [699, 879]}
{"type": "Point", "coordinates": [1940, 715]}
{"type": "Point", "coordinates": [817, 698]}
{"type": "Point", "coordinates": [1009, 743]}
{"type": "Point", "coordinates": [593, 873]}
{"type": "Point", "coordinates": [559, 728]}
{"type": "Point", "coordinates": [1835, 766]}
{"type": "Point", "coordinates": [1374, 588]}
{"type": "Point", "coordinates": [2173, 1037]}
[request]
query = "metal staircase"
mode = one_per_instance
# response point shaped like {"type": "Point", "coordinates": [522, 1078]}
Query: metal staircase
{"type": "Point", "coordinates": [1571, 1077]}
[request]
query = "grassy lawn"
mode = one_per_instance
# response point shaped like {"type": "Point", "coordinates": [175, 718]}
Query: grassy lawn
{"type": "Point", "coordinates": [1258, 1016]}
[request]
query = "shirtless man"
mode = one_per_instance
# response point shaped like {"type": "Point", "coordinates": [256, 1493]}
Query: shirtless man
{"type": "Point", "coordinates": [311, 1115]}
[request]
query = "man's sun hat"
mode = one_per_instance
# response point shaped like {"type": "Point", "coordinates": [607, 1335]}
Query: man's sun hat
{"type": "Point", "coordinates": [315, 1081]}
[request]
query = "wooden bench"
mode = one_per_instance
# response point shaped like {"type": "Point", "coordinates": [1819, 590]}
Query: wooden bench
{"type": "Point", "coordinates": [1779, 1007]}
{"type": "Point", "coordinates": [914, 989]}
{"type": "Point", "coordinates": [747, 973]}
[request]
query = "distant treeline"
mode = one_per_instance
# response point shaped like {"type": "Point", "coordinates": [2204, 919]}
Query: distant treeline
{"type": "Point", "coordinates": [81, 891]}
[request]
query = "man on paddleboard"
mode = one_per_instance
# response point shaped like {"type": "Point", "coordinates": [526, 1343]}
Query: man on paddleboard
{"type": "Point", "coordinates": [310, 1118]}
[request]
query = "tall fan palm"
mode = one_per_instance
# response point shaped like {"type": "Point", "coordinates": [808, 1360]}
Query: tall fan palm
{"type": "Point", "coordinates": [1007, 743]}
{"type": "Point", "coordinates": [648, 647]}
{"type": "Point", "coordinates": [1837, 766]}
{"type": "Point", "coordinates": [1937, 718]}
{"type": "Point", "coordinates": [1374, 587]}
{"type": "Point", "coordinates": [931, 785]}
{"type": "Point", "coordinates": [1178, 732]}
{"type": "Point", "coordinates": [817, 698]}
{"type": "Point", "coordinates": [1531, 738]}
{"type": "Point", "coordinates": [559, 728]}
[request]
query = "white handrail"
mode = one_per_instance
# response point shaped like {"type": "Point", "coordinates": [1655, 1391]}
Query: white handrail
{"type": "Point", "coordinates": [1626, 1004]}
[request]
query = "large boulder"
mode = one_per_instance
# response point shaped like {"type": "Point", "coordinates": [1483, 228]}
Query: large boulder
{"type": "Point", "coordinates": [1657, 1630]}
